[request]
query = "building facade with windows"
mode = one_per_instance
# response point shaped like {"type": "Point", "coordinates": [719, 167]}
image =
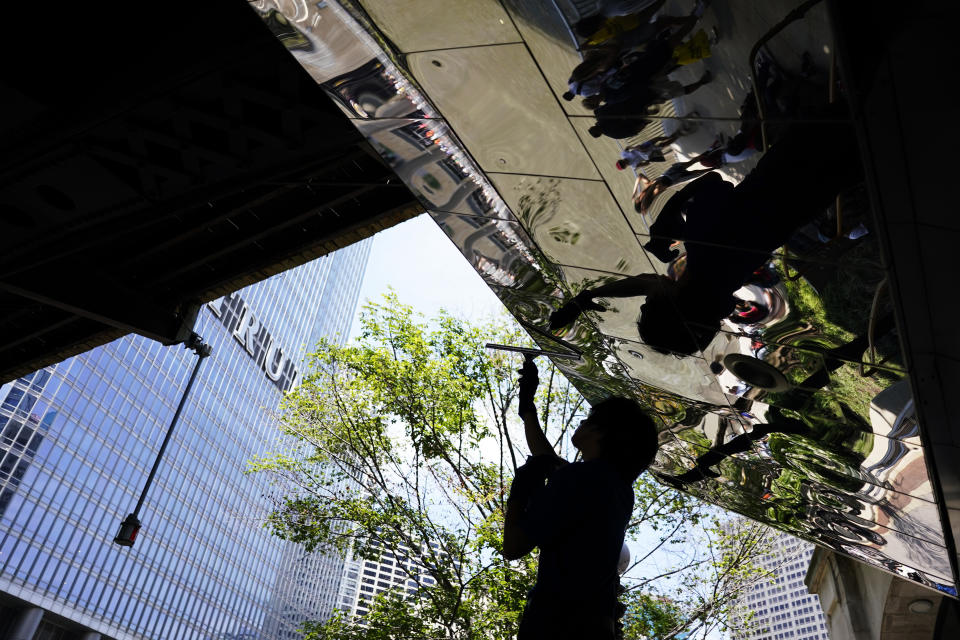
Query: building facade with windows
{"type": "Point", "coordinates": [79, 438]}
{"type": "Point", "coordinates": [398, 571]}
{"type": "Point", "coordinates": [782, 608]}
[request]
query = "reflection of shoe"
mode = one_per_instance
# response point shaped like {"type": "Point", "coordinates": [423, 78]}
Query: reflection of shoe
{"type": "Point", "coordinates": [714, 36]}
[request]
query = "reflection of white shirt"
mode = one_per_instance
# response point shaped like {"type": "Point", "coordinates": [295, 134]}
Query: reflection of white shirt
{"type": "Point", "coordinates": [644, 152]}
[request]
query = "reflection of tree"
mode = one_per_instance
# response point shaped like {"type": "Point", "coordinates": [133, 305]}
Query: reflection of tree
{"type": "Point", "coordinates": [805, 476]}
{"type": "Point", "coordinates": [836, 315]}
{"type": "Point", "coordinates": [564, 235]}
{"type": "Point", "coordinates": [538, 202]}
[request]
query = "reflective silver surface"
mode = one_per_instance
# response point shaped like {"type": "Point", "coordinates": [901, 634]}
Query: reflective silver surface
{"type": "Point", "coordinates": [795, 406]}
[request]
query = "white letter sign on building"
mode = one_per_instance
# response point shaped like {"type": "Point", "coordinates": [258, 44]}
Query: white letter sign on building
{"type": "Point", "coordinates": [238, 319]}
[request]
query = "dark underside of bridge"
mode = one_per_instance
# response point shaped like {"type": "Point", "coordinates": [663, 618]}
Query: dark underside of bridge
{"type": "Point", "coordinates": [156, 158]}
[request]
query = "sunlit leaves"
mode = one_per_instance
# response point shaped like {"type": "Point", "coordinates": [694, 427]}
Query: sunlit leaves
{"type": "Point", "coordinates": [407, 439]}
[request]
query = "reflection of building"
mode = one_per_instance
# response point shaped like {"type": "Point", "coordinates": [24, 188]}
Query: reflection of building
{"type": "Point", "coordinates": [202, 566]}
{"type": "Point", "coordinates": [402, 573]}
{"type": "Point", "coordinates": [781, 605]}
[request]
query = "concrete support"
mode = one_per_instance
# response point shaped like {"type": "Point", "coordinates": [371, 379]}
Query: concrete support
{"type": "Point", "coordinates": [861, 602]}
{"type": "Point", "coordinates": [26, 624]}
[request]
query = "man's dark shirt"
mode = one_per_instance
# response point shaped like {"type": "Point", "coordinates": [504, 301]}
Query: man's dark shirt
{"type": "Point", "coordinates": [578, 522]}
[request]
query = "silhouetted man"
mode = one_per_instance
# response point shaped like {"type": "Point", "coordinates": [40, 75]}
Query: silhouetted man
{"type": "Point", "coordinates": [579, 518]}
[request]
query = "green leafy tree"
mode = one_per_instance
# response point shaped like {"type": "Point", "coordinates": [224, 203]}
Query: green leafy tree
{"type": "Point", "coordinates": [407, 437]}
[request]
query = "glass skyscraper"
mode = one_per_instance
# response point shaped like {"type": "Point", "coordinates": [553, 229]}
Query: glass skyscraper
{"type": "Point", "coordinates": [79, 438]}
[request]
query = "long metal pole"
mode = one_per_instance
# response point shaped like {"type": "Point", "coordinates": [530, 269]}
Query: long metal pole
{"type": "Point", "coordinates": [202, 352]}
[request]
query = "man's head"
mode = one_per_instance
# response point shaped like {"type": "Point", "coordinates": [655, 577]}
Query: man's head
{"type": "Point", "coordinates": [617, 429]}
{"type": "Point", "coordinates": [595, 131]}
{"type": "Point", "coordinates": [621, 164]}
{"type": "Point", "coordinates": [664, 328]}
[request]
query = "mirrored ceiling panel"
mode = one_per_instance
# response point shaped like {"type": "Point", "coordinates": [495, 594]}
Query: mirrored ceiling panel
{"type": "Point", "coordinates": [427, 159]}
{"type": "Point", "coordinates": [871, 513]}
{"type": "Point", "coordinates": [746, 309]}
{"type": "Point", "coordinates": [797, 378]}
{"type": "Point", "coordinates": [687, 377]}
{"type": "Point", "coordinates": [843, 313]}
{"type": "Point", "coordinates": [551, 39]}
{"type": "Point", "coordinates": [605, 152]}
{"type": "Point", "coordinates": [818, 512]}
{"type": "Point", "coordinates": [497, 249]}
{"type": "Point", "coordinates": [498, 104]}
{"type": "Point", "coordinates": [551, 209]}
{"type": "Point", "coordinates": [619, 320]}
{"type": "Point", "coordinates": [780, 455]}
{"type": "Point", "coordinates": [448, 26]}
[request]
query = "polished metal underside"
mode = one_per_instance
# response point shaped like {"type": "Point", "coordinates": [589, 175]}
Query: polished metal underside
{"type": "Point", "coordinates": [799, 412]}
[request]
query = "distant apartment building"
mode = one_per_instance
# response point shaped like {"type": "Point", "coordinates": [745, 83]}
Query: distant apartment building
{"type": "Point", "coordinates": [782, 607]}
{"type": "Point", "coordinates": [398, 571]}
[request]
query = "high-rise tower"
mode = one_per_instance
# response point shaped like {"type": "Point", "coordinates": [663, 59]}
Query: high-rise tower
{"type": "Point", "coordinates": [78, 440]}
{"type": "Point", "coordinates": [782, 607]}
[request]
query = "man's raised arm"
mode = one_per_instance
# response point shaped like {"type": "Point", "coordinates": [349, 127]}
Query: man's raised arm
{"type": "Point", "coordinates": [536, 438]}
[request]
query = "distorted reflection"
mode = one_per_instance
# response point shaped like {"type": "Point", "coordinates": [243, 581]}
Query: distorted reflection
{"type": "Point", "coordinates": [689, 220]}
{"type": "Point", "coordinates": [709, 214]}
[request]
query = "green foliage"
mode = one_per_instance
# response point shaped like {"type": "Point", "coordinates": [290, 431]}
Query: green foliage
{"type": "Point", "coordinates": [650, 616]}
{"type": "Point", "coordinates": [407, 436]}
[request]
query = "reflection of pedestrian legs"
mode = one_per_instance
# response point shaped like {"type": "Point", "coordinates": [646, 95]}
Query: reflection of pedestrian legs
{"type": "Point", "coordinates": [665, 89]}
{"type": "Point", "coordinates": [704, 79]}
{"type": "Point", "coordinates": [713, 157]}
{"type": "Point", "coordinates": [678, 173]}
{"type": "Point", "coordinates": [769, 80]}
{"type": "Point", "coordinates": [666, 141]}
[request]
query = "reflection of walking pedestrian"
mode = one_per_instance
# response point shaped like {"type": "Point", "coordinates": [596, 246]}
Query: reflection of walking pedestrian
{"type": "Point", "coordinates": [730, 232]}
{"type": "Point", "coordinates": [622, 119]}
{"type": "Point", "coordinates": [646, 152]}
{"type": "Point", "coordinates": [646, 190]}
{"type": "Point", "coordinates": [666, 89]}
{"type": "Point", "coordinates": [692, 50]}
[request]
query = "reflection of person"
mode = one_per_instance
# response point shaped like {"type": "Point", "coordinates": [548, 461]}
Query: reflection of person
{"type": "Point", "coordinates": [578, 519]}
{"type": "Point", "coordinates": [648, 151]}
{"type": "Point", "coordinates": [634, 30]}
{"type": "Point", "coordinates": [623, 119]}
{"type": "Point", "coordinates": [779, 92]}
{"type": "Point", "coordinates": [730, 232]}
{"type": "Point", "coordinates": [645, 190]}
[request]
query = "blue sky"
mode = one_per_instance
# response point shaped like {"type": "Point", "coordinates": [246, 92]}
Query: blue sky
{"type": "Point", "coordinates": [428, 272]}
